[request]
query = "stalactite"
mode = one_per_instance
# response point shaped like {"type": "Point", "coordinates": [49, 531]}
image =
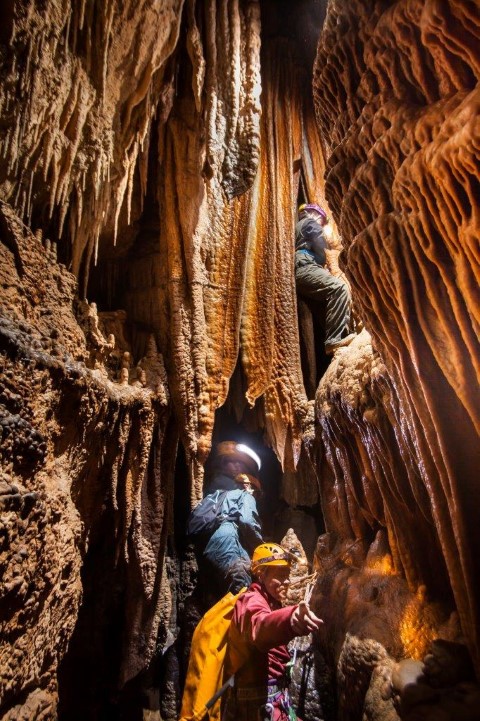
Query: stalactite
{"type": "Point", "coordinates": [195, 51]}
{"type": "Point", "coordinates": [270, 353]}
{"type": "Point", "coordinates": [72, 134]}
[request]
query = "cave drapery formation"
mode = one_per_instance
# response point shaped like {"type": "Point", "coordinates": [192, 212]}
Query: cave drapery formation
{"type": "Point", "coordinates": [402, 178]}
{"type": "Point", "coordinates": [157, 151]}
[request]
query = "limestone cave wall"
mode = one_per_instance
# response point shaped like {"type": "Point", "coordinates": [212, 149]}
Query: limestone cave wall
{"type": "Point", "coordinates": [57, 494]}
{"type": "Point", "coordinates": [396, 91]}
{"type": "Point", "coordinates": [151, 159]}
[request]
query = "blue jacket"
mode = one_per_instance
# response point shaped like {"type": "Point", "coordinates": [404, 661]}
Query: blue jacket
{"type": "Point", "coordinates": [240, 507]}
{"type": "Point", "coordinates": [221, 482]}
{"type": "Point", "coordinates": [229, 547]}
{"type": "Point", "coordinates": [239, 532]}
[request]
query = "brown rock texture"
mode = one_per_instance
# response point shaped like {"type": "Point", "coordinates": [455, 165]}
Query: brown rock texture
{"type": "Point", "coordinates": [270, 353]}
{"type": "Point", "coordinates": [369, 479]}
{"type": "Point", "coordinates": [81, 83]}
{"type": "Point", "coordinates": [383, 588]}
{"type": "Point", "coordinates": [208, 152]}
{"type": "Point", "coordinates": [73, 443]}
{"type": "Point", "coordinates": [396, 90]}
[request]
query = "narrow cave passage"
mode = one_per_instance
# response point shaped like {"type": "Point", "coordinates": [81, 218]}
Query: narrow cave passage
{"type": "Point", "coordinates": [153, 158]}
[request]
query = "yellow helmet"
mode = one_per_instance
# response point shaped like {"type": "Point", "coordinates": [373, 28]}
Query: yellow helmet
{"type": "Point", "coordinates": [269, 554]}
{"type": "Point", "coordinates": [242, 478]}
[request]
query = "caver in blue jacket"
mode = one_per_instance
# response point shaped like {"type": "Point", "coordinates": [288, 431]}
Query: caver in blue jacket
{"type": "Point", "coordinates": [229, 549]}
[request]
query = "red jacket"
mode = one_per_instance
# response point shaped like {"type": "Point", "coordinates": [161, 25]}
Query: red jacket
{"type": "Point", "coordinates": [259, 632]}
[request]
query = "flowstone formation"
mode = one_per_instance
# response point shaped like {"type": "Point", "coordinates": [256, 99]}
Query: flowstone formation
{"type": "Point", "coordinates": [397, 102]}
{"type": "Point", "coordinates": [223, 272]}
{"type": "Point", "coordinates": [146, 235]}
{"type": "Point", "coordinates": [397, 654]}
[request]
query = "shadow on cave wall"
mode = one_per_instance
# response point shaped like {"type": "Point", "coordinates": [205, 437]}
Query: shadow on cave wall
{"type": "Point", "coordinates": [87, 674]}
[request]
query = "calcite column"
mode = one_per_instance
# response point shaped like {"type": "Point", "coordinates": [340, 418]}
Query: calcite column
{"type": "Point", "coordinates": [397, 100]}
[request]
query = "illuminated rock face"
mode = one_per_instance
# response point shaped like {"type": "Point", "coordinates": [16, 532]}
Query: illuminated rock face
{"type": "Point", "coordinates": [107, 108]}
{"type": "Point", "coordinates": [396, 88]}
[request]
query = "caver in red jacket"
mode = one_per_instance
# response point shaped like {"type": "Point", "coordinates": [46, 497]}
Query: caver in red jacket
{"type": "Point", "coordinates": [258, 635]}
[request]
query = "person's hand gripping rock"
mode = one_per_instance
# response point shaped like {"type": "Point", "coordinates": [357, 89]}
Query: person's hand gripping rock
{"type": "Point", "coordinates": [304, 620]}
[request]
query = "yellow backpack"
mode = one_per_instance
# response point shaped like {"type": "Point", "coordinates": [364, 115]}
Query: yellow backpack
{"type": "Point", "coordinates": [201, 697]}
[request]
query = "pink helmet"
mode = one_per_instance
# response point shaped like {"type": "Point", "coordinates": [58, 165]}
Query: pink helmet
{"type": "Point", "coordinates": [314, 208]}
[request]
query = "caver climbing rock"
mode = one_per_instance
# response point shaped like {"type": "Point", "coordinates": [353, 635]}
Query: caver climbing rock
{"type": "Point", "coordinates": [258, 634]}
{"type": "Point", "coordinates": [225, 544]}
{"type": "Point", "coordinates": [315, 282]}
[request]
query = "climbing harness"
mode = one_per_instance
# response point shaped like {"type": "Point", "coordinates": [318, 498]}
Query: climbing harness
{"type": "Point", "coordinates": [280, 698]}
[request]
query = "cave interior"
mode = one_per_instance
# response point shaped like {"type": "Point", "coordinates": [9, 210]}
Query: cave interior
{"type": "Point", "coordinates": [152, 159]}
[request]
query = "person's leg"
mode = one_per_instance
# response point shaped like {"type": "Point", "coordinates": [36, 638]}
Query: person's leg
{"type": "Point", "coordinates": [337, 320]}
{"type": "Point", "coordinates": [318, 284]}
{"type": "Point", "coordinates": [229, 558]}
{"type": "Point", "coordinates": [238, 574]}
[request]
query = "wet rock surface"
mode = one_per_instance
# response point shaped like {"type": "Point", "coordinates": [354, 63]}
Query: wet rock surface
{"type": "Point", "coordinates": [394, 654]}
{"type": "Point", "coordinates": [151, 156]}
